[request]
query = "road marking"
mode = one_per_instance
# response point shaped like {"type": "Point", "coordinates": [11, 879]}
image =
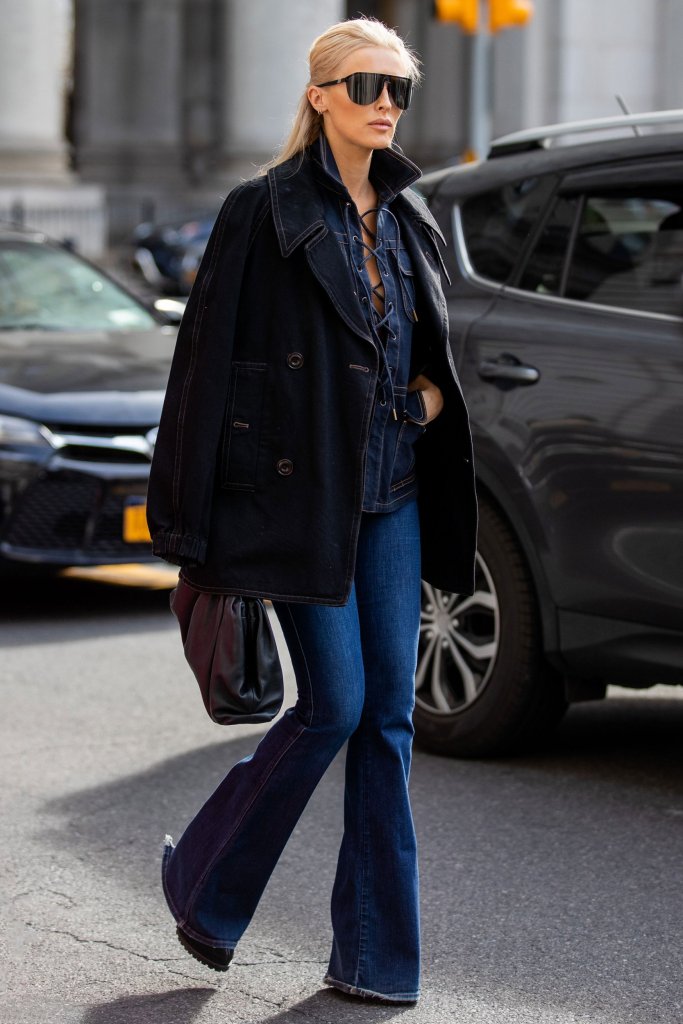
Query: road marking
{"type": "Point", "coordinates": [134, 574]}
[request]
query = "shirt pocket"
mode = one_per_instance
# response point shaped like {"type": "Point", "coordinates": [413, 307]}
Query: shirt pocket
{"type": "Point", "coordinates": [415, 407]}
{"type": "Point", "coordinates": [242, 433]}
{"type": "Point", "coordinates": [404, 459]}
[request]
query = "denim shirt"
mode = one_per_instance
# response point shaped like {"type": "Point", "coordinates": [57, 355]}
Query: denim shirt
{"type": "Point", "coordinates": [398, 416]}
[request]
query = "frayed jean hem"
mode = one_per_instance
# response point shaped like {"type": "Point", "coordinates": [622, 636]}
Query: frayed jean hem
{"type": "Point", "coordinates": [366, 993]}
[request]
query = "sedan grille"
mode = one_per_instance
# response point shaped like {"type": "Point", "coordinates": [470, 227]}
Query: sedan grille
{"type": "Point", "coordinates": [66, 514]}
{"type": "Point", "coordinates": [99, 446]}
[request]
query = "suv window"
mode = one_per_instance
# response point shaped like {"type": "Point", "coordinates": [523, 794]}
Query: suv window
{"type": "Point", "coordinates": [617, 249]}
{"type": "Point", "coordinates": [545, 267]}
{"type": "Point", "coordinates": [497, 224]}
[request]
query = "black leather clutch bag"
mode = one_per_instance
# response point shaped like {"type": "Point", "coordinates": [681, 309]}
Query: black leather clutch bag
{"type": "Point", "coordinates": [230, 647]}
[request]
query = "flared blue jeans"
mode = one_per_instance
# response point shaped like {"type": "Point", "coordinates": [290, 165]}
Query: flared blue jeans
{"type": "Point", "coordinates": [355, 670]}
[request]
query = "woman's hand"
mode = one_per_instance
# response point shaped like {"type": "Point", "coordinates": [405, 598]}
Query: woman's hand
{"type": "Point", "coordinates": [431, 396]}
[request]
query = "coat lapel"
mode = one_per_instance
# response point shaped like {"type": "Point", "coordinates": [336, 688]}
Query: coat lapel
{"type": "Point", "coordinates": [299, 219]}
{"type": "Point", "coordinates": [424, 256]}
{"type": "Point", "coordinates": [327, 262]}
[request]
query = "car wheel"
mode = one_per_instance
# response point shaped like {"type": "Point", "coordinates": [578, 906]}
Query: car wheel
{"type": "Point", "coordinates": [482, 685]}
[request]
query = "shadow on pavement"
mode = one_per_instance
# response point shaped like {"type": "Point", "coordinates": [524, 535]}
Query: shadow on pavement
{"type": "Point", "coordinates": [635, 740]}
{"type": "Point", "coordinates": [628, 741]}
{"type": "Point", "coordinates": [343, 1009]}
{"type": "Point", "coordinates": [156, 1008]}
{"type": "Point", "coordinates": [184, 1005]}
{"type": "Point", "coordinates": [545, 877]}
{"type": "Point", "coordinates": [126, 820]}
{"type": "Point", "coordinates": [622, 752]}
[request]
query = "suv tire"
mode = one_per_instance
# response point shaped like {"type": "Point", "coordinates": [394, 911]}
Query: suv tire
{"type": "Point", "coordinates": [482, 685]}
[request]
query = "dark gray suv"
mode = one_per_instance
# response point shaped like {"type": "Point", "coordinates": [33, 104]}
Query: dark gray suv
{"type": "Point", "coordinates": [566, 311]}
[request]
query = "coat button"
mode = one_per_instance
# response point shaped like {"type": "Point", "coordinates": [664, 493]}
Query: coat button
{"type": "Point", "coordinates": [285, 467]}
{"type": "Point", "coordinates": [295, 360]}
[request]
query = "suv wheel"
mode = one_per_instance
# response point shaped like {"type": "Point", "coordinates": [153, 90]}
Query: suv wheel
{"type": "Point", "coordinates": [482, 686]}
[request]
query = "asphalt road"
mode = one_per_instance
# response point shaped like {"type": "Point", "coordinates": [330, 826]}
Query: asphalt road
{"type": "Point", "coordinates": [551, 886]}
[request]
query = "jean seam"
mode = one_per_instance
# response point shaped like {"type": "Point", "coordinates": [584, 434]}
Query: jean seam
{"type": "Point", "coordinates": [374, 500]}
{"type": "Point", "coordinates": [224, 844]}
{"type": "Point", "coordinates": [305, 661]}
{"type": "Point", "coordinates": [265, 778]}
{"type": "Point", "coordinates": [362, 916]}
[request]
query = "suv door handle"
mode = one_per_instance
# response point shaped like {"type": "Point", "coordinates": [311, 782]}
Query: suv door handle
{"type": "Point", "coordinates": [509, 368]}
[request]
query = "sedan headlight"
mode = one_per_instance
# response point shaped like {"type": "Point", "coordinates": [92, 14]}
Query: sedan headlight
{"type": "Point", "coordinates": [15, 431]}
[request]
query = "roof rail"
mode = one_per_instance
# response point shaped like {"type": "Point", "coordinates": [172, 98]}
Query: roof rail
{"type": "Point", "coordinates": [538, 138]}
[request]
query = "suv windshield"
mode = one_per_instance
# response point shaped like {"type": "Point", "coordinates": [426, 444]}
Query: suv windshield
{"type": "Point", "coordinates": [45, 288]}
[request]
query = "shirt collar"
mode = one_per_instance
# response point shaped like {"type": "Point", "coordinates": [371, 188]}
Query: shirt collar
{"type": "Point", "coordinates": [299, 209]}
{"type": "Point", "coordinates": [390, 170]}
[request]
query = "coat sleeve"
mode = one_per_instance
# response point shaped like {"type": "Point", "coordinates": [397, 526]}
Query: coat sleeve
{"type": "Point", "coordinates": [183, 468]}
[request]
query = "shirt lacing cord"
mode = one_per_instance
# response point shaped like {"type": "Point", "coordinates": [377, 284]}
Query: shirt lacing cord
{"type": "Point", "coordinates": [381, 324]}
{"type": "Point", "coordinates": [389, 315]}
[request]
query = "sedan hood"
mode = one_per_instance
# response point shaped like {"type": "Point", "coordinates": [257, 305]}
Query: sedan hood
{"type": "Point", "coordinates": [85, 378]}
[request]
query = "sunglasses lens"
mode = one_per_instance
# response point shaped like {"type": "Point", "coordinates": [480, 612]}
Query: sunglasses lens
{"type": "Point", "coordinates": [365, 87]}
{"type": "Point", "coordinates": [401, 92]}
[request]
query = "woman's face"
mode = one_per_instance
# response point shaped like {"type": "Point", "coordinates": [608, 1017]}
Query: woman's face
{"type": "Point", "coordinates": [349, 124]}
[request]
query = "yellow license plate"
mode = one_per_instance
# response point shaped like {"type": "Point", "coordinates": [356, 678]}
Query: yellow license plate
{"type": "Point", "coordinates": [135, 530]}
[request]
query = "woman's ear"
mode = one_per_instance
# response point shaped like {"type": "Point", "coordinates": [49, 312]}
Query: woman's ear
{"type": "Point", "coordinates": [316, 98]}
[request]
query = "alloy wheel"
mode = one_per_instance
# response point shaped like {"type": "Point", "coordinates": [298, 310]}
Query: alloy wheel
{"type": "Point", "coordinates": [458, 647]}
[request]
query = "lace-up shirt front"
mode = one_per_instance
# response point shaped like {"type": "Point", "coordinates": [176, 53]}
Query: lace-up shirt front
{"type": "Point", "coordinates": [389, 309]}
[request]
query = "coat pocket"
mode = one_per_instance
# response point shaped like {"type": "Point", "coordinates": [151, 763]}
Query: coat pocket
{"type": "Point", "coordinates": [239, 457]}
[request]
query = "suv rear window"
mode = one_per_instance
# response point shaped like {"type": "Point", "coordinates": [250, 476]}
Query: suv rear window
{"type": "Point", "coordinates": [497, 224]}
{"type": "Point", "coordinates": [621, 249]}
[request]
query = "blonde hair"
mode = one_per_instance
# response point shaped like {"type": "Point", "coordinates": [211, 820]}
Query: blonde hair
{"type": "Point", "coordinates": [325, 56]}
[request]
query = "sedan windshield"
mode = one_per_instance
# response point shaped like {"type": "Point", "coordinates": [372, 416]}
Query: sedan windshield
{"type": "Point", "coordinates": [46, 288]}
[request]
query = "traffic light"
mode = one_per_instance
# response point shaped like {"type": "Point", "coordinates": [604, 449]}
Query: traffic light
{"type": "Point", "coordinates": [464, 13]}
{"type": "Point", "coordinates": [468, 14]}
{"type": "Point", "coordinates": [509, 13]}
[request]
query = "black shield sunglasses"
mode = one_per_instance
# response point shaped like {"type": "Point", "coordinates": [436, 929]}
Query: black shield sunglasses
{"type": "Point", "coordinates": [366, 87]}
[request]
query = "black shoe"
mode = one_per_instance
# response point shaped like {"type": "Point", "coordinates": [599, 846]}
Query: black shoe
{"type": "Point", "coordinates": [211, 956]}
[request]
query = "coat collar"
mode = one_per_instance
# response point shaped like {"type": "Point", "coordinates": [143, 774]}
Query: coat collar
{"type": "Point", "coordinates": [390, 170]}
{"type": "Point", "coordinates": [298, 209]}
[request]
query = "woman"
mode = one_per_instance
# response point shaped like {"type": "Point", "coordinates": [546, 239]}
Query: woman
{"type": "Point", "coordinates": [314, 449]}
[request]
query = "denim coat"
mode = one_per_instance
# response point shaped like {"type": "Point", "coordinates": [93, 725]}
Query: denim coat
{"type": "Point", "coordinates": [256, 484]}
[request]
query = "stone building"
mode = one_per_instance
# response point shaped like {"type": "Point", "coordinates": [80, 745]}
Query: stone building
{"type": "Point", "coordinates": [113, 111]}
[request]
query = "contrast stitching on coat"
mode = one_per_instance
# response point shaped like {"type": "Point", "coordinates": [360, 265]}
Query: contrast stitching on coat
{"type": "Point", "coordinates": [421, 212]}
{"type": "Point", "coordinates": [253, 210]}
{"type": "Point", "coordinates": [194, 347]}
{"type": "Point", "coordinates": [227, 432]}
{"type": "Point", "coordinates": [285, 248]}
{"type": "Point", "coordinates": [270, 595]}
{"type": "Point", "coordinates": [257, 226]}
{"type": "Point", "coordinates": [339, 308]}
